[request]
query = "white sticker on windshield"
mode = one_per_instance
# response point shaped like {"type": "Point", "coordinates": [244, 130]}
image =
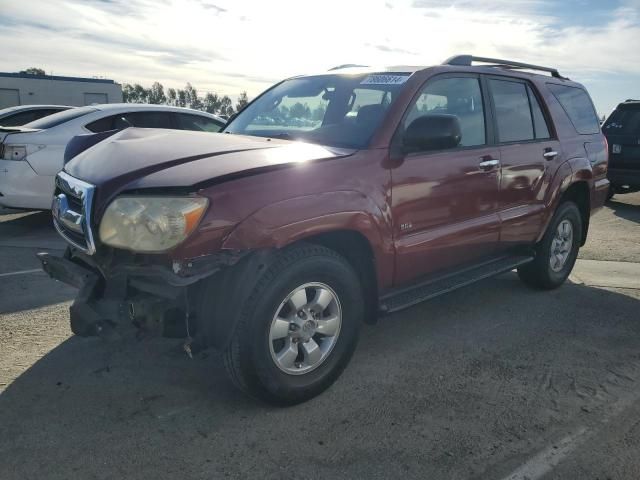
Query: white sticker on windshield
{"type": "Point", "coordinates": [384, 79]}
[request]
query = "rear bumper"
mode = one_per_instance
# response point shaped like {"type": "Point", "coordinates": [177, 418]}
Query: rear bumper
{"type": "Point", "coordinates": [22, 187]}
{"type": "Point", "coordinates": [624, 176]}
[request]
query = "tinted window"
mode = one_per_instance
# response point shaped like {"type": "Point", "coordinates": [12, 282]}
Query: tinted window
{"type": "Point", "coordinates": [101, 125]}
{"type": "Point", "coordinates": [148, 119]}
{"type": "Point", "coordinates": [198, 123]}
{"type": "Point", "coordinates": [623, 121]}
{"type": "Point", "coordinates": [513, 115]}
{"type": "Point", "coordinates": [61, 117]}
{"type": "Point", "coordinates": [461, 97]}
{"type": "Point", "coordinates": [20, 118]}
{"type": "Point", "coordinates": [578, 106]}
{"type": "Point", "coordinates": [539, 122]}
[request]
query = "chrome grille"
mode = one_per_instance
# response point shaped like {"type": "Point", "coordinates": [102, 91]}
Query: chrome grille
{"type": "Point", "coordinates": [71, 210]}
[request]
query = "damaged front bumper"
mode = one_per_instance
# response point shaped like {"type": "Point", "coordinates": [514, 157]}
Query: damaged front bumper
{"type": "Point", "coordinates": [115, 293]}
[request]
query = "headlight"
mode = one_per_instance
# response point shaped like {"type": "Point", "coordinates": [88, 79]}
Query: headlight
{"type": "Point", "coordinates": [14, 152]}
{"type": "Point", "coordinates": [150, 224]}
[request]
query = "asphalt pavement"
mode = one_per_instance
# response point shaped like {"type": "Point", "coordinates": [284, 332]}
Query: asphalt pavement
{"type": "Point", "coordinates": [494, 381]}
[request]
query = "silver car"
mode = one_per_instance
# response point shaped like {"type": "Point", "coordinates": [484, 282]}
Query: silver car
{"type": "Point", "coordinates": [30, 156]}
{"type": "Point", "coordinates": [23, 114]}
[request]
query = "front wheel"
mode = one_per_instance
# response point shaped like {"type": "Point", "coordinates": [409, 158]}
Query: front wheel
{"type": "Point", "coordinates": [299, 329]}
{"type": "Point", "coordinates": [556, 254]}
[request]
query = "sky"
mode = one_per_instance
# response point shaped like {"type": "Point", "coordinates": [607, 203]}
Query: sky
{"type": "Point", "coordinates": [229, 46]}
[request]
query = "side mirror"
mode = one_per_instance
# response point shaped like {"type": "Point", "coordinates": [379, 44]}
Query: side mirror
{"type": "Point", "coordinates": [432, 132]}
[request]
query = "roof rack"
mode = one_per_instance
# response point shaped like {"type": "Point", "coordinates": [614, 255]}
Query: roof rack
{"type": "Point", "coordinates": [467, 61]}
{"type": "Point", "coordinates": [347, 65]}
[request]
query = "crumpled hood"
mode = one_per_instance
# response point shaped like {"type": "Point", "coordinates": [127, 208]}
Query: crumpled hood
{"type": "Point", "coordinates": [154, 158]}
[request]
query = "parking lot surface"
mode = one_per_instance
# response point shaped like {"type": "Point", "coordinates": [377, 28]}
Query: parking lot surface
{"type": "Point", "coordinates": [495, 381]}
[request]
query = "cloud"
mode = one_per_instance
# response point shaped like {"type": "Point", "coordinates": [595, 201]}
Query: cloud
{"type": "Point", "coordinates": [232, 45]}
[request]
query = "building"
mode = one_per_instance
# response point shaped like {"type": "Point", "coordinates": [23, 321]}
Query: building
{"type": "Point", "coordinates": [26, 89]}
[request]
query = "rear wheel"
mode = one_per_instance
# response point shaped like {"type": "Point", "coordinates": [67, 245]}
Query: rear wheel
{"type": "Point", "coordinates": [557, 252]}
{"type": "Point", "coordinates": [299, 329]}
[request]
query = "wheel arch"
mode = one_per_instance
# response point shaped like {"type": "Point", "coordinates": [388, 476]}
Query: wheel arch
{"type": "Point", "coordinates": [580, 193]}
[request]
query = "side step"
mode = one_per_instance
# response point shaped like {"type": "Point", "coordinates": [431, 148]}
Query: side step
{"type": "Point", "coordinates": [405, 297]}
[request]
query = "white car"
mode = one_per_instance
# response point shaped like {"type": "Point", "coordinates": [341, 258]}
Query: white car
{"type": "Point", "coordinates": [30, 156]}
{"type": "Point", "coordinates": [22, 114]}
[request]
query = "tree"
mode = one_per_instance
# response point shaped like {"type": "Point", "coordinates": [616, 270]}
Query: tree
{"type": "Point", "coordinates": [226, 106]}
{"type": "Point", "coordinates": [172, 98]}
{"type": "Point", "coordinates": [156, 94]}
{"type": "Point", "coordinates": [318, 113]}
{"type": "Point", "coordinates": [300, 111]}
{"type": "Point", "coordinates": [191, 97]}
{"type": "Point", "coordinates": [211, 103]}
{"type": "Point", "coordinates": [34, 71]}
{"type": "Point", "coordinates": [127, 93]}
{"type": "Point", "coordinates": [139, 94]}
{"type": "Point", "coordinates": [242, 101]}
{"type": "Point", "coordinates": [182, 98]}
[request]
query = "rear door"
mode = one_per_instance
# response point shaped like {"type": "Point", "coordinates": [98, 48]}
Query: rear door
{"type": "Point", "coordinates": [529, 154]}
{"type": "Point", "coordinates": [444, 202]}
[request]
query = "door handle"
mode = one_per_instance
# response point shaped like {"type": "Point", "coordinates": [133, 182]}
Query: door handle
{"type": "Point", "coordinates": [549, 154]}
{"type": "Point", "coordinates": [489, 164]}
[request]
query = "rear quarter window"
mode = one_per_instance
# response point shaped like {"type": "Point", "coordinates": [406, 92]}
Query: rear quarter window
{"type": "Point", "coordinates": [578, 106]}
{"type": "Point", "coordinates": [61, 117]}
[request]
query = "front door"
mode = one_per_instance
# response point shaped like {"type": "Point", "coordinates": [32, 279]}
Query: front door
{"type": "Point", "coordinates": [444, 202]}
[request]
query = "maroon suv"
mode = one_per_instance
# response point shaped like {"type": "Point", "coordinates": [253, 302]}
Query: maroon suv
{"type": "Point", "coordinates": [328, 200]}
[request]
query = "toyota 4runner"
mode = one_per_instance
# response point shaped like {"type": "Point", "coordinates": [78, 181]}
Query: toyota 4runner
{"type": "Point", "coordinates": [328, 200]}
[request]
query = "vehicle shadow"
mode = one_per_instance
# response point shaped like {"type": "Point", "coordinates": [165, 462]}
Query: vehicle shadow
{"type": "Point", "coordinates": [624, 210]}
{"type": "Point", "coordinates": [427, 392]}
{"type": "Point", "coordinates": [29, 229]}
{"type": "Point", "coordinates": [21, 293]}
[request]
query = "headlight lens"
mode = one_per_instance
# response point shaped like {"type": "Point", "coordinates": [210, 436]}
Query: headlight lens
{"type": "Point", "coordinates": [150, 224]}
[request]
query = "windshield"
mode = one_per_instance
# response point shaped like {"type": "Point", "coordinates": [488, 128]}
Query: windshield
{"type": "Point", "coordinates": [59, 118]}
{"type": "Point", "coordinates": [333, 110]}
{"type": "Point", "coordinates": [623, 122]}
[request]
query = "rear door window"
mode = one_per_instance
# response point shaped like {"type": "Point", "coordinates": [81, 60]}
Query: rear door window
{"type": "Point", "coordinates": [578, 106]}
{"type": "Point", "coordinates": [198, 123]}
{"type": "Point", "coordinates": [513, 114]}
{"type": "Point", "coordinates": [101, 125]}
{"type": "Point", "coordinates": [148, 119]}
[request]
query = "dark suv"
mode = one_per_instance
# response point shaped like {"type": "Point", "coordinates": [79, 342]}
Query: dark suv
{"type": "Point", "coordinates": [328, 200]}
{"type": "Point", "coordinates": [622, 130]}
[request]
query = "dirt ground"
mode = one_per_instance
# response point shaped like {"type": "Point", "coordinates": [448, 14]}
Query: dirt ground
{"type": "Point", "coordinates": [495, 381]}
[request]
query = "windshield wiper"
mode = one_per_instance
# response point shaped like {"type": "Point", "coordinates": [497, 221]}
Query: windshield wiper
{"type": "Point", "coordinates": [283, 136]}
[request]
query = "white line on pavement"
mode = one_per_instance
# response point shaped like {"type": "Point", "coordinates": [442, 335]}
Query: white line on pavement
{"type": "Point", "coordinates": [544, 461]}
{"type": "Point", "coordinates": [21, 272]}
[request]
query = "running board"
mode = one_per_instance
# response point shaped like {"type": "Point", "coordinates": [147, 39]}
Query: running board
{"type": "Point", "coordinates": [402, 298]}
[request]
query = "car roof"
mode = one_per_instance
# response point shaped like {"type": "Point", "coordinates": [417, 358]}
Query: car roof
{"type": "Point", "coordinates": [460, 63]}
{"type": "Point", "coordinates": [26, 108]}
{"type": "Point", "coordinates": [629, 103]}
{"type": "Point", "coordinates": [107, 107]}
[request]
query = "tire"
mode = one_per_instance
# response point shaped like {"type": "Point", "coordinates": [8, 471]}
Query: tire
{"type": "Point", "coordinates": [540, 273]}
{"type": "Point", "coordinates": [252, 357]}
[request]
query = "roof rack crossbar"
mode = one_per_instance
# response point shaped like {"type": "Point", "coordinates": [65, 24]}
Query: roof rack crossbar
{"type": "Point", "coordinates": [347, 65]}
{"type": "Point", "coordinates": [467, 60]}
